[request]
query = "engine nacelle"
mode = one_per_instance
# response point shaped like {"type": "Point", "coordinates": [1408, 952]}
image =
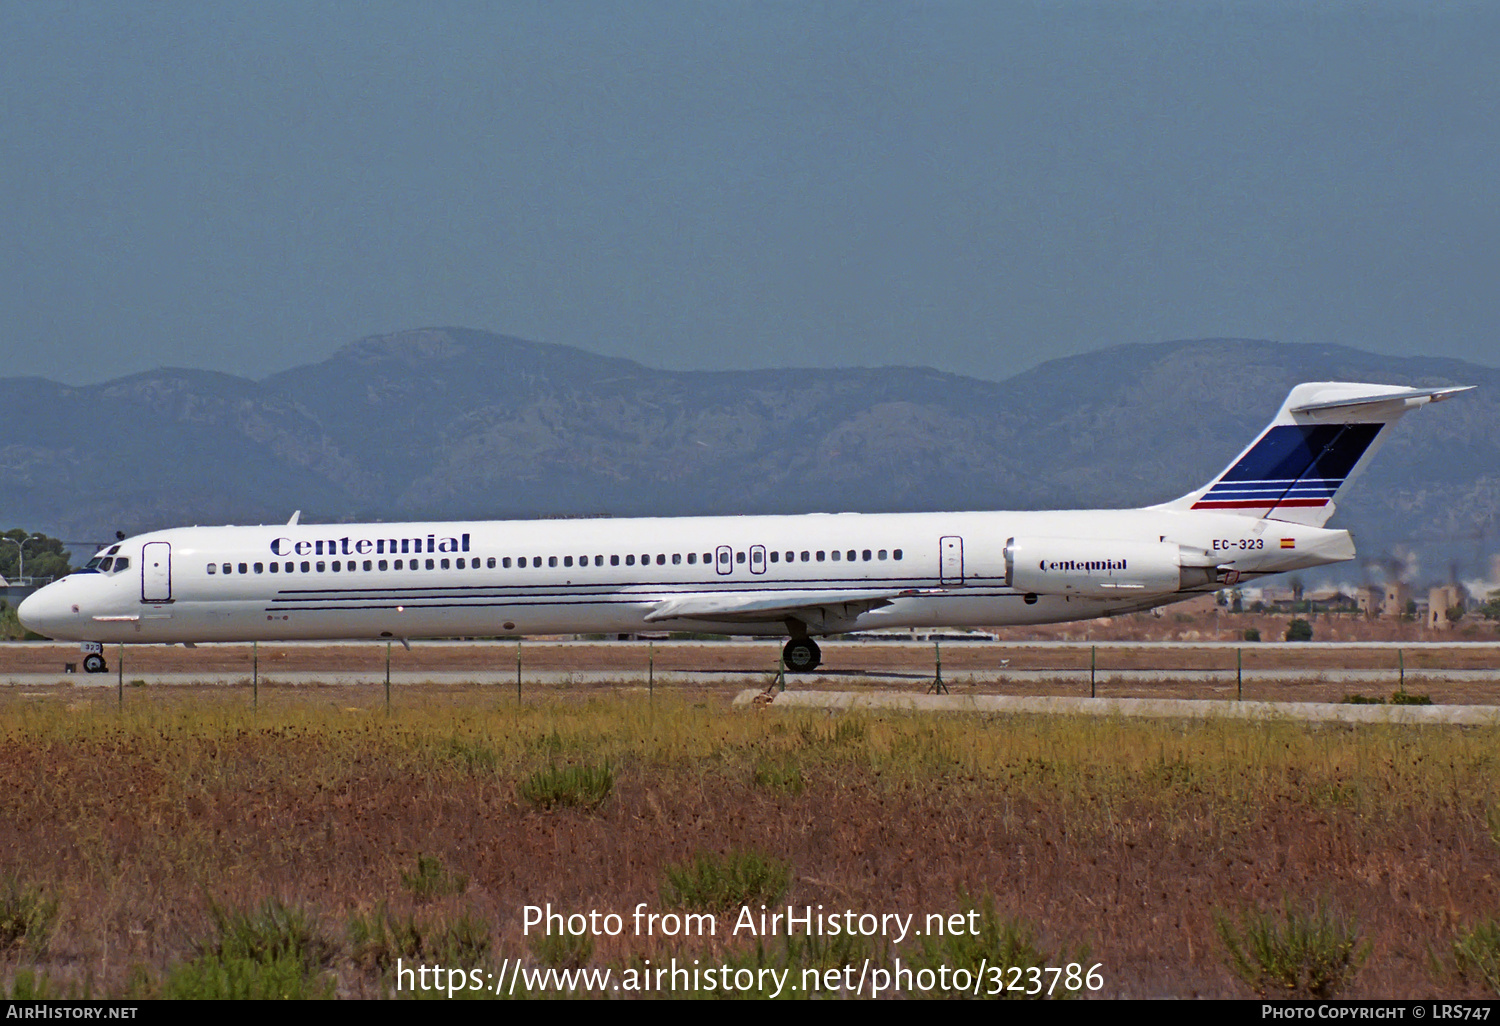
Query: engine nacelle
{"type": "Point", "coordinates": [1097, 568]}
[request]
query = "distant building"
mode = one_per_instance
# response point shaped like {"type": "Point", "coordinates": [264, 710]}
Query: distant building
{"type": "Point", "coordinates": [1397, 598]}
{"type": "Point", "coordinates": [1440, 600]}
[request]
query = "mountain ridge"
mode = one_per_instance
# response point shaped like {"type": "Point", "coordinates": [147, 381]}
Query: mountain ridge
{"type": "Point", "coordinates": [459, 423]}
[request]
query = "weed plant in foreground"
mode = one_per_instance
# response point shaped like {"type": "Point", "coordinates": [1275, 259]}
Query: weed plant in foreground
{"type": "Point", "coordinates": [783, 776]}
{"type": "Point", "coordinates": [379, 938]}
{"type": "Point", "coordinates": [28, 915]}
{"type": "Point", "coordinates": [1296, 953]}
{"type": "Point", "coordinates": [719, 883]}
{"type": "Point", "coordinates": [1122, 836]}
{"type": "Point", "coordinates": [1009, 942]}
{"type": "Point", "coordinates": [1476, 953]}
{"type": "Point", "coordinates": [431, 879]}
{"type": "Point", "coordinates": [273, 951]}
{"type": "Point", "coordinates": [575, 787]}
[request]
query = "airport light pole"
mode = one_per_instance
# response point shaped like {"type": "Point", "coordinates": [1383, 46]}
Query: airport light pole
{"type": "Point", "coordinates": [20, 553]}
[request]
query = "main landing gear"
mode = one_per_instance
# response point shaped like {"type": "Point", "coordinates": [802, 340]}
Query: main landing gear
{"type": "Point", "coordinates": [801, 655]}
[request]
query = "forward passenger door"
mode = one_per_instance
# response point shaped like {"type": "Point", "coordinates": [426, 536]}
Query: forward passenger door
{"type": "Point", "coordinates": [156, 572]}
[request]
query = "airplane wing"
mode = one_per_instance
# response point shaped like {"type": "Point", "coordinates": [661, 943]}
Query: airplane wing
{"type": "Point", "coordinates": [773, 605]}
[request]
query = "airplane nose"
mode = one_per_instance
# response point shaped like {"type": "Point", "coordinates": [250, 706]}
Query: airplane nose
{"type": "Point", "coordinates": [45, 612]}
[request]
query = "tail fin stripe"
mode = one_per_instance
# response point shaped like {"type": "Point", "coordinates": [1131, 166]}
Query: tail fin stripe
{"type": "Point", "coordinates": [1295, 451]}
{"type": "Point", "coordinates": [1320, 490]}
{"type": "Point", "coordinates": [1257, 503]}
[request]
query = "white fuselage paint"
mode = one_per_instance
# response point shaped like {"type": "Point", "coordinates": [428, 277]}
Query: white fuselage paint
{"type": "Point", "coordinates": [955, 583]}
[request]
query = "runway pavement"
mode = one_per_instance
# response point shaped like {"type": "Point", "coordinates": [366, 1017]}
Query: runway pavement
{"type": "Point", "coordinates": [1456, 672]}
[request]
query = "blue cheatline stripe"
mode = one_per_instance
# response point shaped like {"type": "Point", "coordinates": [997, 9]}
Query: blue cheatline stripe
{"type": "Point", "coordinates": [1303, 490]}
{"type": "Point", "coordinates": [1304, 452]}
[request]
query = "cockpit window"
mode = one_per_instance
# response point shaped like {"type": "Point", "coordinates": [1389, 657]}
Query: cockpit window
{"type": "Point", "coordinates": [112, 550]}
{"type": "Point", "coordinates": [105, 563]}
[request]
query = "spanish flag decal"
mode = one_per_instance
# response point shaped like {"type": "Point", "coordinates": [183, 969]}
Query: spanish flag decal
{"type": "Point", "coordinates": [1289, 543]}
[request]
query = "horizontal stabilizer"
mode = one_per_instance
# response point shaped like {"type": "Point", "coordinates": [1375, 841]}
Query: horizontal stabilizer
{"type": "Point", "coordinates": [1422, 396]}
{"type": "Point", "coordinates": [762, 605]}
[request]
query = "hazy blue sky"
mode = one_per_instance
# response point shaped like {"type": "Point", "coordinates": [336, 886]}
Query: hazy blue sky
{"type": "Point", "coordinates": [975, 186]}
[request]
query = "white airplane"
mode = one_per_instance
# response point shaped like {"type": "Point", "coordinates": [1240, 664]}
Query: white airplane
{"type": "Point", "coordinates": [804, 576]}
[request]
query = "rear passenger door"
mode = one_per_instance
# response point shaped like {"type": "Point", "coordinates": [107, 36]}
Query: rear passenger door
{"type": "Point", "coordinates": [952, 570]}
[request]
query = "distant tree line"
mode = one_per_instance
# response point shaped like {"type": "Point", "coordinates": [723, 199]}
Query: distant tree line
{"type": "Point", "coordinates": [37, 554]}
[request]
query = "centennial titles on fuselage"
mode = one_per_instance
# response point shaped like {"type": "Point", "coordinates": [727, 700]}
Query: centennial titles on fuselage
{"type": "Point", "coordinates": [368, 546]}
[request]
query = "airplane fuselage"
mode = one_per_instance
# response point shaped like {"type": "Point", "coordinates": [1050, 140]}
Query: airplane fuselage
{"type": "Point", "coordinates": [829, 573]}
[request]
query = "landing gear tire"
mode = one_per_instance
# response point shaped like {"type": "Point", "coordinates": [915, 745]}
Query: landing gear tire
{"type": "Point", "coordinates": [801, 655]}
{"type": "Point", "coordinates": [94, 663]}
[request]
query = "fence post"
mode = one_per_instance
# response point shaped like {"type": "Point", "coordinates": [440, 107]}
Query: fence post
{"type": "Point", "coordinates": [938, 687]}
{"type": "Point", "coordinates": [255, 676]}
{"type": "Point", "coordinates": [650, 669]}
{"type": "Point", "coordinates": [518, 673]}
{"type": "Point", "coordinates": [120, 676]}
{"type": "Point", "coordinates": [1093, 669]}
{"type": "Point", "coordinates": [387, 678]}
{"type": "Point", "coordinates": [1239, 674]}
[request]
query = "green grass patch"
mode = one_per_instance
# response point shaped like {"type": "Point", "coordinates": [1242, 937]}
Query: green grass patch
{"type": "Point", "coordinates": [1476, 953]}
{"type": "Point", "coordinates": [574, 786]}
{"type": "Point", "coordinates": [474, 757]}
{"type": "Point", "coordinates": [274, 951]}
{"type": "Point", "coordinates": [378, 938]}
{"type": "Point", "coordinates": [28, 915]}
{"type": "Point", "coordinates": [779, 776]}
{"type": "Point", "coordinates": [1295, 953]}
{"type": "Point", "coordinates": [714, 883]}
{"type": "Point", "coordinates": [463, 941]}
{"type": "Point", "coordinates": [563, 950]}
{"type": "Point", "coordinates": [208, 978]}
{"type": "Point", "coordinates": [272, 932]}
{"type": "Point", "coordinates": [431, 879]}
{"type": "Point", "coordinates": [26, 985]}
{"type": "Point", "coordinates": [1009, 942]}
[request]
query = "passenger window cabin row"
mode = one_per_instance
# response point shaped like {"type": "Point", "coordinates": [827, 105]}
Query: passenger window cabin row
{"type": "Point", "coordinates": [521, 562]}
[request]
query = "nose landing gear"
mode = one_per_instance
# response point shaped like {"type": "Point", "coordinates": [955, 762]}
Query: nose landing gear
{"type": "Point", "coordinates": [94, 663]}
{"type": "Point", "coordinates": [801, 655]}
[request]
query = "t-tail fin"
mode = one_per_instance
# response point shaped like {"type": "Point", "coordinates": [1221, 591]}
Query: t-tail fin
{"type": "Point", "coordinates": [1322, 437]}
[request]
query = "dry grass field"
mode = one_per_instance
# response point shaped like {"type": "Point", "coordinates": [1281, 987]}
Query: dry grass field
{"type": "Point", "coordinates": [187, 844]}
